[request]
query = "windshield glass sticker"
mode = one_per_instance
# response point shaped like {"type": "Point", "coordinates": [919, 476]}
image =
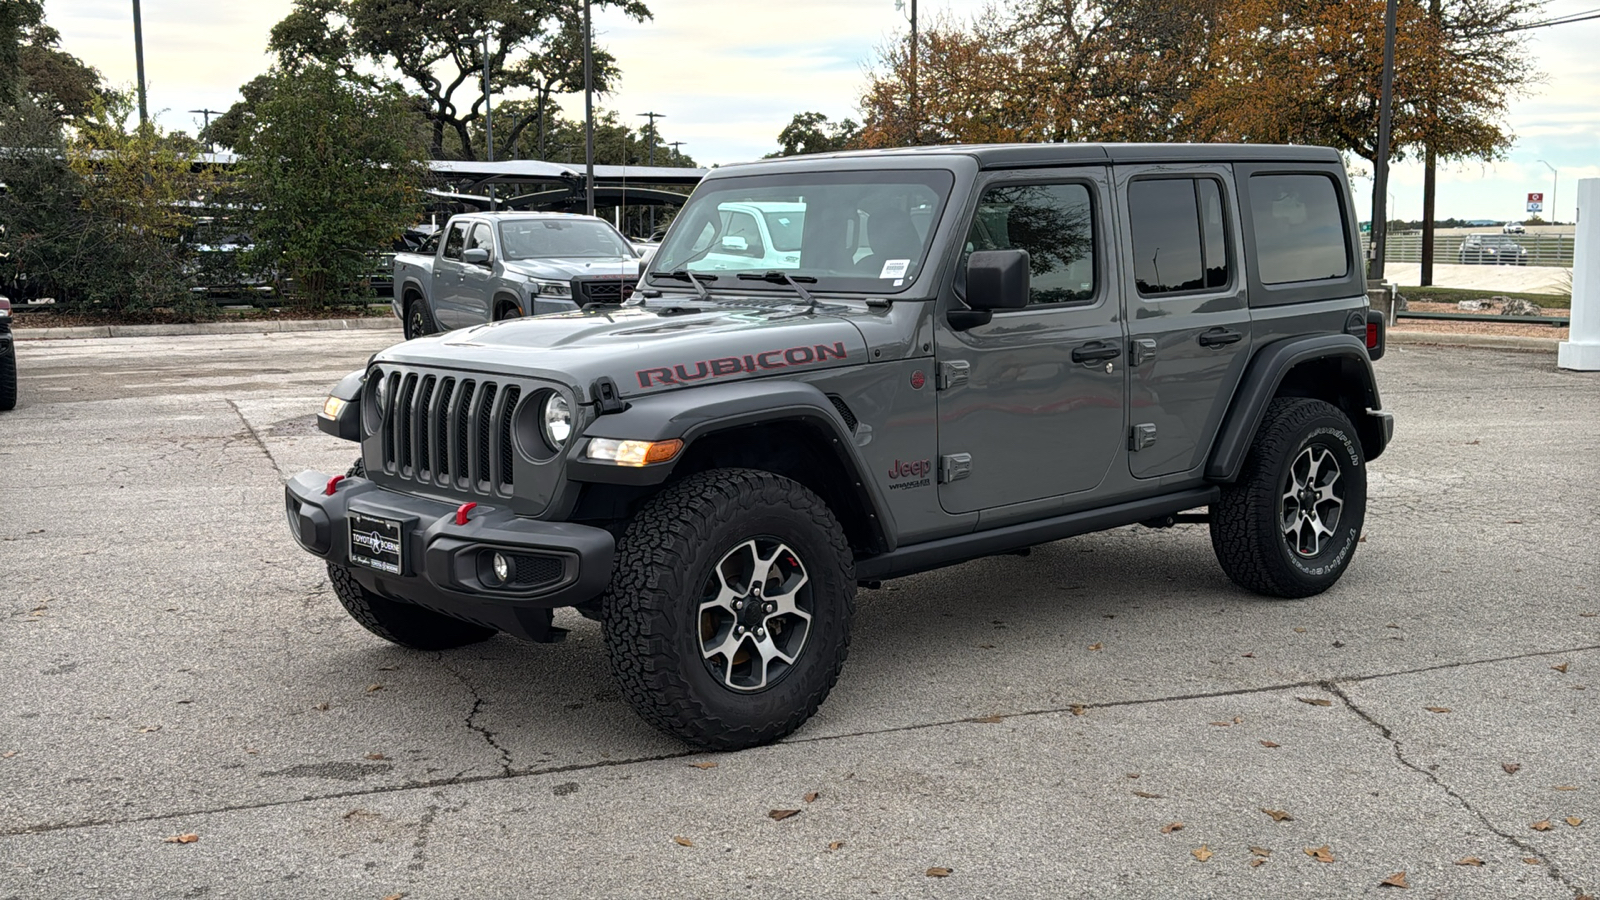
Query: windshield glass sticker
{"type": "Point", "coordinates": [895, 268]}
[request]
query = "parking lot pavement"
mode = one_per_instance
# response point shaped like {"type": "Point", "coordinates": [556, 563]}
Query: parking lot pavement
{"type": "Point", "coordinates": [174, 665]}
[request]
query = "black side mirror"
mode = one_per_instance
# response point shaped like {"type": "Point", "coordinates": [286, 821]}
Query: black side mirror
{"type": "Point", "coordinates": [476, 256]}
{"type": "Point", "coordinates": [996, 279]}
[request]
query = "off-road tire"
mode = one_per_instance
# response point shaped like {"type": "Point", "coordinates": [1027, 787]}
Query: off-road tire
{"type": "Point", "coordinates": [419, 319]}
{"type": "Point", "coordinates": [358, 469]}
{"type": "Point", "coordinates": [8, 380]}
{"type": "Point", "coordinates": [402, 623]}
{"type": "Point", "coordinates": [1247, 523]}
{"type": "Point", "coordinates": [651, 619]}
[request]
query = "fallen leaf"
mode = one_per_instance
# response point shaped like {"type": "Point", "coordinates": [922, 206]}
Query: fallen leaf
{"type": "Point", "coordinates": [1076, 710]}
{"type": "Point", "coordinates": [148, 729]}
{"type": "Point", "coordinates": [359, 813]}
{"type": "Point", "coordinates": [1299, 630]}
{"type": "Point", "coordinates": [1541, 825]}
{"type": "Point", "coordinates": [1588, 615]}
{"type": "Point", "coordinates": [812, 797]}
{"type": "Point", "coordinates": [1511, 768]}
{"type": "Point", "coordinates": [1270, 744]}
{"type": "Point", "coordinates": [187, 838]}
{"type": "Point", "coordinates": [1096, 646]}
{"type": "Point", "coordinates": [374, 687]}
{"type": "Point", "coordinates": [1147, 795]}
{"type": "Point", "coordinates": [1473, 443]}
{"type": "Point", "coordinates": [1320, 854]}
{"type": "Point", "coordinates": [682, 841]}
{"type": "Point", "coordinates": [321, 706]}
{"type": "Point", "coordinates": [703, 765]}
{"type": "Point", "coordinates": [1562, 668]}
{"type": "Point", "coordinates": [1278, 815]}
{"type": "Point", "coordinates": [1315, 701]}
{"type": "Point", "coordinates": [778, 815]}
{"type": "Point", "coordinates": [1202, 853]}
{"type": "Point", "coordinates": [1398, 880]}
{"type": "Point", "coordinates": [835, 845]}
{"type": "Point", "coordinates": [375, 756]}
{"type": "Point", "coordinates": [939, 872]}
{"type": "Point", "coordinates": [986, 646]}
{"type": "Point", "coordinates": [1258, 861]}
{"type": "Point", "coordinates": [1563, 787]}
{"type": "Point", "coordinates": [388, 668]}
{"type": "Point", "coordinates": [1260, 851]}
{"type": "Point", "coordinates": [1362, 539]}
{"type": "Point", "coordinates": [988, 720]}
{"type": "Point", "coordinates": [1247, 656]}
{"type": "Point", "coordinates": [1222, 724]}
{"type": "Point", "coordinates": [1531, 860]}
{"type": "Point", "coordinates": [8, 754]}
{"type": "Point", "coordinates": [394, 897]}
{"type": "Point", "coordinates": [1437, 709]}
{"type": "Point", "coordinates": [1133, 774]}
{"type": "Point", "coordinates": [1469, 861]}
{"type": "Point", "coordinates": [1171, 827]}
{"type": "Point", "coordinates": [1574, 821]}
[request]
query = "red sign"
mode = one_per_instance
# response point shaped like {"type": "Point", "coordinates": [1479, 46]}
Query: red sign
{"type": "Point", "coordinates": [1535, 198]}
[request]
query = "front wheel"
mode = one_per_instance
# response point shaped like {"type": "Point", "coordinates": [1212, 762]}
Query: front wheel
{"type": "Point", "coordinates": [1289, 525]}
{"type": "Point", "coordinates": [727, 619]}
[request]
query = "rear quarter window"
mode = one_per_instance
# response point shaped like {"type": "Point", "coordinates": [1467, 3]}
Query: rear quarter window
{"type": "Point", "coordinates": [1298, 227]}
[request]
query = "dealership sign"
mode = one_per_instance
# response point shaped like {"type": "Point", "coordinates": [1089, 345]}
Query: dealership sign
{"type": "Point", "coordinates": [1535, 203]}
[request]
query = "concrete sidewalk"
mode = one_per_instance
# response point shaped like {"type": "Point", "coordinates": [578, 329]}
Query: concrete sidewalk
{"type": "Point", "coordinates": [264, 326]}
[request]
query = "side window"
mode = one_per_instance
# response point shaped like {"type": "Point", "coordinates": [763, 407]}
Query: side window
{"type": "Point", "coordinates": [1179, 235]}
{"type": "Point", "coordinates": [1299, 230]}
{"type": "Point", "coordinates": [481, 238]}
{"type": "Point", "coordinates": [1055, 224]}
{"type": "Point", "coordinates": [456, 241]}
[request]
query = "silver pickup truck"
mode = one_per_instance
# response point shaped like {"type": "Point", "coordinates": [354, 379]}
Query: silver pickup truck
{"type": "Point", "coordinates": [484, 267]}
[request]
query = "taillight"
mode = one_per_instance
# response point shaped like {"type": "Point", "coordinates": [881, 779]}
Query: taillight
{"type": "Point", "coordinates": [1372, 335]}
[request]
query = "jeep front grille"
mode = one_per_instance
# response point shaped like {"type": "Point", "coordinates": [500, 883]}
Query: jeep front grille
{"type": "Point", "coordinates": [453, 433]}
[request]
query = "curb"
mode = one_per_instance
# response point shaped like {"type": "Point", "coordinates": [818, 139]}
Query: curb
{"type": "Point", "coordinates": [1484, 341]}
{"type": "Point", "coordinates": [270, 326]}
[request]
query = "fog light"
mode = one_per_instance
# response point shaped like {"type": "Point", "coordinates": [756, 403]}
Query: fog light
{"type": "Point", "coordinates": [502, 568]}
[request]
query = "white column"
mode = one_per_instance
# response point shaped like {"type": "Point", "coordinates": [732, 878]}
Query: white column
{"type": "Point", "coordinates": [1582, 349]}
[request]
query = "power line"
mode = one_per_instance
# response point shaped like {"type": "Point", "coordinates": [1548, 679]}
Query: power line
{"type": "Point", "coordinates": [1547, 23]}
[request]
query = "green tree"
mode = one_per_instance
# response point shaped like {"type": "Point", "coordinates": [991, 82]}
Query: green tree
{"type": "Point", "coordinates": [330, 178]}
{"type": "Point", "coordinates": [811, 132]}
{"type": "Point", "coordinates": [32, 62]}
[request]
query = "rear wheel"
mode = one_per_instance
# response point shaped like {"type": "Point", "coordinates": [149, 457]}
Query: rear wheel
{"type": "Point", "coordinates": [1289, 525]}
{"type": "Point", "coordinates": [728, 615]}
{"type": "Point", "coordinates": [419, 322]}
{"type": "Point", "coordinates": [402, 623]}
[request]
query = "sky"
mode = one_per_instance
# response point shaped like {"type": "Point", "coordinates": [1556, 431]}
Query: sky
{"type": "Point", "coordinates": [729, 76]}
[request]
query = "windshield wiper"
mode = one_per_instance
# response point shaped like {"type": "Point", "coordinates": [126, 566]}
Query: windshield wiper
{"type": "Point", "coordinates": [779, 277]}
{"type": "Point", "coordinates": [686, 275]}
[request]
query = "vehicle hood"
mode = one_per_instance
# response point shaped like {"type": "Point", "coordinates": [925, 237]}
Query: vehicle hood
{"type": "Point", "coordinates": [645, 350]}
{"type": "Point", "coordinates": [564, 268]}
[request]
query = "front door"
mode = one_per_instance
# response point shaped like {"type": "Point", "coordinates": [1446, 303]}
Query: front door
{"type": "Point", "coordinates": [1031, 404]}
{"type": "Point", "coordinates": [447, 273]}
{"type": "Point", "coordinates": [1188, 320]}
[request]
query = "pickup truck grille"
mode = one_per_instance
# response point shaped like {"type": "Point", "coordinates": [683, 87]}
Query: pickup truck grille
{"type": "Point", "coordinates": [607, 291]}
{"type": "Point", "coordinates": [447, 431]}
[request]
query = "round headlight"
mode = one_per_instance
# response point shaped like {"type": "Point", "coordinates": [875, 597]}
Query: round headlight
{"type": "Point", "coordinates": [557, 419]}
{"type": "Point", "coordinates": [381, 395]}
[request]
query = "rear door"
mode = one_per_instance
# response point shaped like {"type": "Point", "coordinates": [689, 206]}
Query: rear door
{"type": "Point", "coordinates": [1031, 404]}
{"type": "Point", "coordinates": [1188, 315]}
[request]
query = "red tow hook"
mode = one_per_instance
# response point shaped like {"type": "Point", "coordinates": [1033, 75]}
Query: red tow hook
{"type": "Point", "coordinates": [462, 510]}
{"type": "Point", "coordinates": [333, 485]}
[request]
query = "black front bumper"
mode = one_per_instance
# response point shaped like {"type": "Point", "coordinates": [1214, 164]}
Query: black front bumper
{"type": "Point", "coordinates": [444, 563]}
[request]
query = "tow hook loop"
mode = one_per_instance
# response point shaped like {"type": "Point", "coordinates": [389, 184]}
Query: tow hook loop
{"type": "Point", "coordinates": [462, 510]}
{"type": "Point", "coordinates": [333, 485]}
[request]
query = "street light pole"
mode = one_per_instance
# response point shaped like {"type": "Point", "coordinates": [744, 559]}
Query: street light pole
{"type": "Point", "coordinates": [1380, 186]}
{"type": "Point", "coordinates": [676, 156]}
{"type": "Point", "coordinates": [652, 116]}
{"type": "Point", "coordinates": [588, 110]}
{"type": "Point", "coordinates": [1555, 182]}
{"type": "Point", "coordinates": [488, 103]}
{"type": "Point", "coordinates": [211, 146]}
{"type": "Point", "coordinates": [138, 59]}
{"type": "Point", "coordinates": [916, 120]}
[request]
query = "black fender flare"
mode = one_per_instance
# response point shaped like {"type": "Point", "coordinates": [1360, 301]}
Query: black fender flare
{"type": "Point", "coordinates": [691, 414]}
{"type": "Point", "coordinates": [1261, 383]}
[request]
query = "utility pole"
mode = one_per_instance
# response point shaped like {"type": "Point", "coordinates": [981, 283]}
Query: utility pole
{"type": "Point", "coordinates": [488, 104]}
{"type": "Point", "coordinates": [138, 59]}
{"type": "Point", "coordinates": [208, 113]}
{"type": "Point", "coordinates": [588, 110]}
{"type": "Point", "coordinates": [1430, 164]}
{"type": "Point", "coordinates": [1380, 180]}
{"type": "Point", "coordinates": [652, 116]}
{"type": "Point", "coordinates": [916, 112]}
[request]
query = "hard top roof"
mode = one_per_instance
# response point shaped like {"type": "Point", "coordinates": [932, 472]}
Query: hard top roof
{"type": "Point", "coordinates": [1010, 156]}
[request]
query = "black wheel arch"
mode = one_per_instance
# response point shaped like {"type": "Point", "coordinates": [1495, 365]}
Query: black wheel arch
{"type": "Point", "coordinates": [787, 428]}
{"type": "Point", "coordinates": [504, 299]}
{"type": "Point", "coordinates": [1330, 367]}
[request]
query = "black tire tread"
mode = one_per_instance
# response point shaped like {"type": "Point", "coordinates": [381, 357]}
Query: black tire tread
{"type": "Point", "coordinates": [637, 614]}
{"type": "Point", "coordinates": [429, 325]}
{"type": "Point", "coordinates": [8, 380]}
{"type": "Point", "coordinates": [402, 623]}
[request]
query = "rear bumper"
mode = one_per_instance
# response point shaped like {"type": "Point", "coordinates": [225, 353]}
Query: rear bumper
{"type": "Point", "coordinates": [444, 565]}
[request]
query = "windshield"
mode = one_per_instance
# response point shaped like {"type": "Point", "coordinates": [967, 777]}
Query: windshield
{"type": "Point", "coordinates": [851, 231]}
{"type": "Point", "coordinates": [550, 238]}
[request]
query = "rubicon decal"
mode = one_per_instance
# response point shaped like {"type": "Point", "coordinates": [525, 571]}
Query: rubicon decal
{"type": "Point", "coordinates": [738, 365]}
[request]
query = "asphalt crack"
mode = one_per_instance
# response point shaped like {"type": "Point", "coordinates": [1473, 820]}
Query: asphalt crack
{"type": "Point", "coordinates": [489, 737]}
{"type": "Point", "coordinates": [1398, 750]}
{"type": "Point", "coordinates": [257, 437]}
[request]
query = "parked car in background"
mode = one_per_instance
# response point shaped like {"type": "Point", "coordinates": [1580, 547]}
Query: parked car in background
{"type": "Point", "coordinates": [8, 359]}
{"type": "Point", "coordinates": [1491, 250]}
{"type": "Point", "coordinates": [1514, 228]}
{"type": "Point", "coordinates": [493, 266]}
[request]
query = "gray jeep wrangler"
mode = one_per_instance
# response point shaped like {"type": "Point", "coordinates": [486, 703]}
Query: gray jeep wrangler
{"type": "Point", "coordinates": [978, 349]}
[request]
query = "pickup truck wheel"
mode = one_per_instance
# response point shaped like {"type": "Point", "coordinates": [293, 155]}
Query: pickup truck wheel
{"type": "Point", "coordinates": [8, 380]}
{"type": "Point", "coordinates": [727, 619]}
{"type": "Point", "coordinates": [419, 322]}
{"type": "Point", "coordinates": [1289, 525]}
{"type": "Point", "coordinates": [507, 310]}
{"type": "Point", "coordinates": [402, 623]}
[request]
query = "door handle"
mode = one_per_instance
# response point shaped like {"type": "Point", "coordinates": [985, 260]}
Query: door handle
{"type": "Point", "coordinates": [1095, 351]}
{"type": "Point", "coordinates": [1219, 337]}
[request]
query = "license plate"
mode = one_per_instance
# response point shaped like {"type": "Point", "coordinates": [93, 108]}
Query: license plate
{"type": "Point", "coordinates": [376, 543]}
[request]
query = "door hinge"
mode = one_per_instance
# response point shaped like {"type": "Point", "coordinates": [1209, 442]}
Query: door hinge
{"type": "Point", "coordinates": [953, 374]}
{"type": "Point", "coordinates": [1141, 351]}
{"type": "Point", "coordinates": [954, 467]}
{"type": "Point", "coordinates": [1142, 436]}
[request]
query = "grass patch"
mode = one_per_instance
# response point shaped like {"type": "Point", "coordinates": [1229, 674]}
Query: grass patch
{"type": "Point", "coordinates": [1455, 295]}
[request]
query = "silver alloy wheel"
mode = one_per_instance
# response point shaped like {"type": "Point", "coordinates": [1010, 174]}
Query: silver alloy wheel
{"type": "Point", "coordinates": [1312, 500]}
{"type": "Point", "coordinates": [755, 614]}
